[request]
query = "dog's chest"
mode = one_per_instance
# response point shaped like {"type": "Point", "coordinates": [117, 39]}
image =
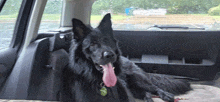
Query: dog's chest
{"type": "Point", "coordinates": [93, 94]}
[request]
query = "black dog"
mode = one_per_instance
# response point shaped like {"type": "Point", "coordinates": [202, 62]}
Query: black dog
{"type": "Point", "coordinates": [98, 73]}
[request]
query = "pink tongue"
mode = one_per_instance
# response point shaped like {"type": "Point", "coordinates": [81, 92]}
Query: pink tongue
{"type": "Point", "coordinates": [109, 78]}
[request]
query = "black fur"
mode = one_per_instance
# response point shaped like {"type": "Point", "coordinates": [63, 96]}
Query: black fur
{"type": "Point", "coordinates": [82, 78]}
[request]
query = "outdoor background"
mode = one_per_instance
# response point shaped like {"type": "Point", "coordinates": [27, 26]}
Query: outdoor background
{"type": "Point", "coordinates": [192, 13]}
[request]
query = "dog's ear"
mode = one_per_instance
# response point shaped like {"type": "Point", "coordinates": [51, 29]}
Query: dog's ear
{"type": "Point", "coordinates": [79, 29]}
{"type": "Point", "coordinates": [106, 24]}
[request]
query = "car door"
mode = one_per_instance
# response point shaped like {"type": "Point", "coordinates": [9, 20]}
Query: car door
{"type": "Point", "coordinates": [164, 37]}
{"type": "Point", "coordinates": [35, 75]}
{"type": "Point", "coordinates": [193, 54]}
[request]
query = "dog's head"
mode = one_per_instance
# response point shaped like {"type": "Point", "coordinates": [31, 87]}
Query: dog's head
{"type": "Point", "coordinates": [99, 46]}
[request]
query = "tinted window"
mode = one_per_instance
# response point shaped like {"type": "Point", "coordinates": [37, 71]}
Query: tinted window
{"type": "Point", "coordinates": [8, 17]}
{"type": "Point", "coordinates": [145, 14]}
{"type": "Point", "coordinates": [51, 16]}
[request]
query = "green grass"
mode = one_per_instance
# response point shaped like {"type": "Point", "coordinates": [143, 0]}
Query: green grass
{"type": "Point", "coordinates": [200, 14]}
{"type": "Point", "coordinates": [56, 17]}
{"type": "Point", "coordinates": [114, 17]}
{"type": "Point", "coordinates": [216, 17]}
{"type": "Point", "coordinates": [52, 17]}
{"type": "Point", "coordinates": [8, 17]}
{"type": "Point", "coordinates": [93, 17]}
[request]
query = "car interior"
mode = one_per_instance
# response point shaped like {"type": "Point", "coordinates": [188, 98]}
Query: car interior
{"type": "Point", "coordinates": [30, 68]}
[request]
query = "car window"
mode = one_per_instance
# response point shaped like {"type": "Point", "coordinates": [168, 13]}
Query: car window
{"type": "Point", "coordinates": [51, 16]}
{"type": "Point", "coordinates": [8, 16]}
{"type": "Point", "coordinates": [158, 14]}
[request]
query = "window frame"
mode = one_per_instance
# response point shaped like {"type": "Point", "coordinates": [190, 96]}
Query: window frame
{"type": "Point", "coordinates": [9, 55]}
{"type": "Point", "coordinates": [21, 23]}
{"type": "Point", "coordinates": [2, 3]}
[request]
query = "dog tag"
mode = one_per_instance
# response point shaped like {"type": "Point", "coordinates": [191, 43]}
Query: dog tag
{"type": "Point", "coordinates": [103, 91]}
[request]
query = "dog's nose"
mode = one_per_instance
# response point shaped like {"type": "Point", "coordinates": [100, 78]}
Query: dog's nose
{"type": "Point", "coordinates": [108, 54]}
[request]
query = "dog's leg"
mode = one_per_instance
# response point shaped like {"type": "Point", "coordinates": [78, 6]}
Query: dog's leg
{"type": "Point", "coordinates": [148, 97]}
{"type": "Point", "coordinates": [166, 96]}
{"type": "Point", "coordinates": [124, 94]}
{"type": "Point", "coordinates": [139, 80]}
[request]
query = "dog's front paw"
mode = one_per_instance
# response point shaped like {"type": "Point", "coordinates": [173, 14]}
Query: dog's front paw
{"type": "Point", "coordinates": [148, 97]}
{"type": "Point", "coordinates": [166, 96]}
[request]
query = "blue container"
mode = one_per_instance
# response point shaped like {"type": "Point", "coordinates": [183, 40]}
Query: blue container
{"type": "Point", "coordinates": [128, 11]}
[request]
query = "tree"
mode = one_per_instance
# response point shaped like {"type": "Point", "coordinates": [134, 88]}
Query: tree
{"type": "Point", "coordinates": [215, 11]}
{"type": "Point", "coordinates": [11, 7]}
{"type": "Point", "coordinates": [173, 6]}
{"type": "Point", "coordinates": [53, 7]}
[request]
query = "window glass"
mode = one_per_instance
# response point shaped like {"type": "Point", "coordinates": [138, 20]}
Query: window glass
{"type": "Point", "coordinates": [8, 16]}
{"type": "Point", "coordinates": [149, 14]}
{"type": "Point", "coordinates": [51, 16]}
